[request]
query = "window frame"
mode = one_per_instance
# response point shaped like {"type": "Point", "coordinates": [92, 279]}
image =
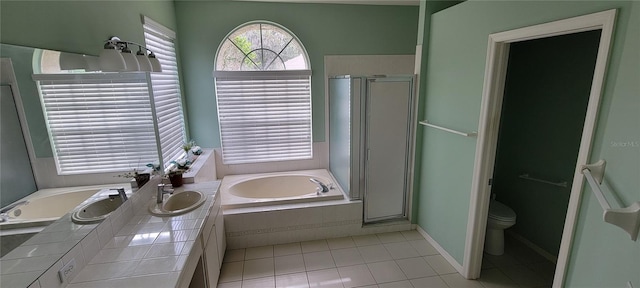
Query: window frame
{"type": "Point", "coordinates": [169, 142]}
{"type": "Point", "coordinates": [264, 75]}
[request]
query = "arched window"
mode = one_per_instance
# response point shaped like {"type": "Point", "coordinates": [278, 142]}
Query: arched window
{"type": "Point", "coordinates": [263, 92]}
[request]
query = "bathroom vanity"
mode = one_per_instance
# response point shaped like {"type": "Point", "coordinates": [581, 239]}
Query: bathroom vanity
{"type": "Point", "coordinates": [133, 248]}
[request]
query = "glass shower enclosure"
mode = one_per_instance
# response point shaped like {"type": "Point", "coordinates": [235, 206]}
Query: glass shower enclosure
{"type": "Point", "coordinates": [371, 124]}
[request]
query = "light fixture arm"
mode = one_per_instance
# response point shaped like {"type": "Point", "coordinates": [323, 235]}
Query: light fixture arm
{"type": "Point", "coordinates": [115, 42]}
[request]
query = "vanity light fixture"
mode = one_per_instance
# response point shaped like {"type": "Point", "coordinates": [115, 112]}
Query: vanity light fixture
{"type": "Point", "coordinates": [117, 57]}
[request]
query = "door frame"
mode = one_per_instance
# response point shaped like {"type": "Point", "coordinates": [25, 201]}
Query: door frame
{"type": "Point", "coordinates": [489, 124]}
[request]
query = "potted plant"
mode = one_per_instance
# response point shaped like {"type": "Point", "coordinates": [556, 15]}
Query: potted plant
{"type": "Point", "coordinates": [141, 178]}
{"type": "Point", "coordinates": [175, 174]}
{"type": "Point", "coordinates": [191, 149]}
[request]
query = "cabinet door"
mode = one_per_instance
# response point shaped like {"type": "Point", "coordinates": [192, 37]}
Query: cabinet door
{"type": "Point", "coordinates": [388, 138]}
{"type": "Point", "coordinates": [212, 259]}
{"type": "Point", "coordinates": [221, 239]}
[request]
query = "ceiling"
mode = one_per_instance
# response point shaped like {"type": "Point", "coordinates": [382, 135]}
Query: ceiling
{"type": "Point", "coordinates": [361, 2]}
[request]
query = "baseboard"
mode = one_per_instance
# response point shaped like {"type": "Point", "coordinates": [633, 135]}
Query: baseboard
{"type": "Point", "coordinates": [533, 246]}
{"type": "Point", "coordinates": [441, 250]}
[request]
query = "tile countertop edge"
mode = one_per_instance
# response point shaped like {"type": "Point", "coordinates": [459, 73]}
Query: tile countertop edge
{"type": "Point", "coordinates": [145, 269]}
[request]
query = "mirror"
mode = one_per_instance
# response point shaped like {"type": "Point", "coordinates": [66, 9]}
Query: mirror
{"type": "Point", "coordinates": [28, 166]}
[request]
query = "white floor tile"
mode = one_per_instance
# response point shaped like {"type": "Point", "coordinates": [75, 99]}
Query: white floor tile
{"type": "Point", "coordinates": [314, 246]}
{"type": "Point", "coordinates": [265, 282]}
{"type": "Point", "coordinates": [387, 271]}
{"type": "Point", "coordinates": [440, 265]}
{"type": "Point", "coordinates": [423, 247]}
{"type": "Point", "coordinates": [341, 243]}
{"type": "Point", "coordinates": [258, 252]}
{"type": "Point", "coordinates": [258, 268]}
{"type": "Point", "coordinates": [287, 249]}
{"type": "Point", "coordinates": [328, 278]}
{"type": "Point", "coordinates": [494, 278]}
{"type": "Point", "coordinates": [366, 240]}
{"type": "Point", "coordinates": [524, 276]}
{"type": "Point", "coordinates": [347, 257]}
{"type": "Point", "coordinates": [429, 282]}
{"type": "Point", "coordinates": [356, 276]}
{"type": "Point", "coordinates": [456, 280]}
{"type": "Point", "coordinates": [289, 264]}
{"type": "Point", "coordinates": [416, 268]}
{"type": "Point", "coordinates": [318, 260]}
{"type": "Point", "coordinates": [296, 280]}
{"type": "Point", "coordinates": [399, 284]}
{"type": "Point", "coordinates": [374, 253]}
{"type": "Point", "coordinates": [412, 235]}
{"type": "Point", "coordinates": [504, 260]}
{"type": "Point", "coordinates": [231, 272]}
{"type": "Point", "coordinates": [391, 237]}
{"type": "Point", "coordinates": [234, 255]}
{"type": "Point", "coordinates": [401, 250]}
{"type": "Point", "coordinates": [546, 269]}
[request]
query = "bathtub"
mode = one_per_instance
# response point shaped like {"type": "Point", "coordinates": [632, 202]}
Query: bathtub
{"type": "Point", "coordinates": [45, 206]}
{"type": "Point", "coordinates": [251, 190]}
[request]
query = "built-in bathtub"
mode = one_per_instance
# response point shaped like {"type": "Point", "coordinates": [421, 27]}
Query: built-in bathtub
{"type": "Point", "coordinates": [43, 207]}
{"type": "Point", "coordinates": [284, 207]}
{"type": "Point", "coordinates": [251, 190]}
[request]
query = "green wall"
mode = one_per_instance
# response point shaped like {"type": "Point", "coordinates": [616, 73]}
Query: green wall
{"type": "Point", "coordinates": [543, 111]}
{"type": "Point", "coordinates": [455, 74]}
{"type": "Point", "coordinates": [323, 30]}
{"type": "Point", "coordinates": [71, 26]}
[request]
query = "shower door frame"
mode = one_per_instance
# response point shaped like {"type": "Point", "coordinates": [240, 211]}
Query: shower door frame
{"type": "Point", "coordinates": [410, 143]}
{"type": "Point", "coordinates": [490, 110]}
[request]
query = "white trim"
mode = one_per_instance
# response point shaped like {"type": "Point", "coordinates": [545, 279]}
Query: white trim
{"type": "Point", "coordinates": [261, 74]}
{"type": "Point", "coordinates": [495, 71]}
{"type": "Point", "coordinates": [158, 27]}
{"type": "Point", "coordinates": [440, 250]}
{"type": "Point", "coordinates": [8, 76]}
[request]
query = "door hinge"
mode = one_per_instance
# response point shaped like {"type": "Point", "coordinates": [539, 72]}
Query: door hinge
{"type": "Point", "coordinates": [490, 181]}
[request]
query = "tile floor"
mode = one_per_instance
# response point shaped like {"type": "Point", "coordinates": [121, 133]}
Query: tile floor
{"type": "Point", "coordinates": [397, 259]}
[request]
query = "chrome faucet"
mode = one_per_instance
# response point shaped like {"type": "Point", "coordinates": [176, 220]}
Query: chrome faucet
{"type": "Point", "coordinates": [121, 192]}
{"type": "Point", "coordinates": [321, 187]}
{"type": "Point", "coordinates": [162, 191]}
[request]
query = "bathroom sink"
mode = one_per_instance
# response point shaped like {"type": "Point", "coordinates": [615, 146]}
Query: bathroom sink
{"type": "Point", "coordinates": [178, 204]}
{"type": "Point", "coordinates": [95, 212]}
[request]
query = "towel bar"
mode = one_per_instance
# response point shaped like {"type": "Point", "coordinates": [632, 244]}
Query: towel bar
{"type": "Point", "coordinates": [627, 218]}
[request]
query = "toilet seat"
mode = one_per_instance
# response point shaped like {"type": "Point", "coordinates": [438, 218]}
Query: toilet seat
{"type": "Point", "coordinates": [501, 212]}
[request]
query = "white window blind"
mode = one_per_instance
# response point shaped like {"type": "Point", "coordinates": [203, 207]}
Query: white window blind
{"type": "Point", "coordinates": [98, 122]}
{"type": "Point", "coordinates": [166, 90]}
{"type": "Point", "coordinates": [264, 116]}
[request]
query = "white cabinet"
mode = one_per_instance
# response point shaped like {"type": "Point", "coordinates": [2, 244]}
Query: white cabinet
{"type": "Point", "coordinates": [214, 243]}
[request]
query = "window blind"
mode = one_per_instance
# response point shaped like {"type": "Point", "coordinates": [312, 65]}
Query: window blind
{"type": "Point", "coordinates": [166, 90]}
{"type": "Point", "coordinates": [264, 116]}
{"type": "Point", "coordinates": [98, 122]}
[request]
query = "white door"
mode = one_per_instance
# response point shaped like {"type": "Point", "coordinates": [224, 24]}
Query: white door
{"type": "Point", "coordinates": [388, 137]}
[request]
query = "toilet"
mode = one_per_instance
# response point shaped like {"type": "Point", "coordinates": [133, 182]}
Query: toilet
{"type": "Point", "coordinates": [500, 217]}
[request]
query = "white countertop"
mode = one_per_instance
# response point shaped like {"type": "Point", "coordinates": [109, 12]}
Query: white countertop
{"type": "Point", "coordinates": [149, 251]}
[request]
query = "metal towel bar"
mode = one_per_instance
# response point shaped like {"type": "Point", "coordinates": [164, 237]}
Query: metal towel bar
{"type": "Point", "coordinates": [470, 134]}
{"type": "Point", "coordinates": [627, 218]}
{"type": "Point", "coordinates": [528, 177]}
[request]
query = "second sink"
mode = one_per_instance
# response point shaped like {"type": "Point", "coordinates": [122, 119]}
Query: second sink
{"type": "Point", "coordinates": [177, 204]}
{"type": "Point", "coordinates": [96, 211]}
